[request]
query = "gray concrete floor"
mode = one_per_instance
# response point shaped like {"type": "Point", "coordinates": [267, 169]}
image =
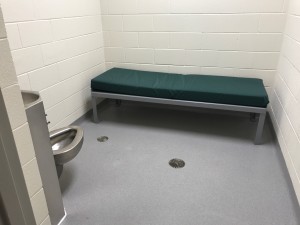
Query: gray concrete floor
{"type": "Point", "coordinates": [227, 179]}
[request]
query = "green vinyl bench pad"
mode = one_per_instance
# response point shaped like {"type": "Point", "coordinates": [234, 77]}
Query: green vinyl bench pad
{"type": "Point", "coordinates": [199, 88]}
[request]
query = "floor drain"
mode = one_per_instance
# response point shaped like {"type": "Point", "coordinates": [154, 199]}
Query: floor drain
{"type": "Point", "coordinates": [102, 139]}
{"type": "Point", "coordinates": [176, 163]}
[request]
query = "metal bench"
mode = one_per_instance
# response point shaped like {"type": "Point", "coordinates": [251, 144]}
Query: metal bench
{"type": "Point", "coordinates": [202, 91]}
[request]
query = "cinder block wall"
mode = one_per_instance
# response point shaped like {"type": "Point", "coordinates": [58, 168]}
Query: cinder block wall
{"type": "Point", "coordinates": [57, 46]}
{"type": "Point", "coordinates": [285, 102]}
{"type": "Point", "coordinates": [18, 133]}
{"type": "Point", "coordinates": [224, 37]}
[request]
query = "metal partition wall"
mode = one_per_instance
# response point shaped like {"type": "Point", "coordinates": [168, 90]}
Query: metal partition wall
{"type": "Point", "coordinates": [3, 214]}
{"type": "Point", "coordinates": [15, 198]}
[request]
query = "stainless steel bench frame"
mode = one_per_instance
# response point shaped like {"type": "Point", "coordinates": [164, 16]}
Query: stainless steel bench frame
{"type": "Point", "coordinates": [261, 111]}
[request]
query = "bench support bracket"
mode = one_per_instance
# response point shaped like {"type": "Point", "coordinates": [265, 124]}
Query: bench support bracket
{"type": "Point", "coordinates": [94, 105]}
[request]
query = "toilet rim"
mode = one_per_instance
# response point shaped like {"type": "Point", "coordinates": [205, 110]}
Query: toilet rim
{"type": "Point", "coordinates": [77, 139]}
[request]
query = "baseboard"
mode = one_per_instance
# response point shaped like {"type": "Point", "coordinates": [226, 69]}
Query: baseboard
{"type": "Point", "coordinates": [64, 217]}
{"type": "Point", "coordinates": [289, 171]}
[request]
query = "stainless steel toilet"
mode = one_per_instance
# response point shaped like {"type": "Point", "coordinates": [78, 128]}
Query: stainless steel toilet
{"type": "Point", "coordinates": [66, 143]}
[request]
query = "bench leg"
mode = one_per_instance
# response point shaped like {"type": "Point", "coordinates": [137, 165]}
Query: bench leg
{"type": "Point", "coordinates": [95, 113]}
{"type": "Point", "coordinates": [260, 128]}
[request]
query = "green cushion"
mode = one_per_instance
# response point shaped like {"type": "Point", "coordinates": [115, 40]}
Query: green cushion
{"type": "Point", "coordinates": [200, 88]}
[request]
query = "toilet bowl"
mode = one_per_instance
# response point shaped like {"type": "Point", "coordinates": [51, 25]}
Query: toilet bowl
{"type": "Point", "coordinates": [66, 143]}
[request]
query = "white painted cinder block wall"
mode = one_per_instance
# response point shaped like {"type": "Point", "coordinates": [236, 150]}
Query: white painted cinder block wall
{"type": "Point", "coordinates": [285, 101]}
{"type": "Point", "coordinates": [19, 128]}
{"type": "Point", "coordinates": [223, 37]}
{"type": "Point", "coordinates": [57, 47]}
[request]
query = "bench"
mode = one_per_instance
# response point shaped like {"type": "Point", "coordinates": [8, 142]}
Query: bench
{"type": "Point", "coordinates": [203, 91]}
